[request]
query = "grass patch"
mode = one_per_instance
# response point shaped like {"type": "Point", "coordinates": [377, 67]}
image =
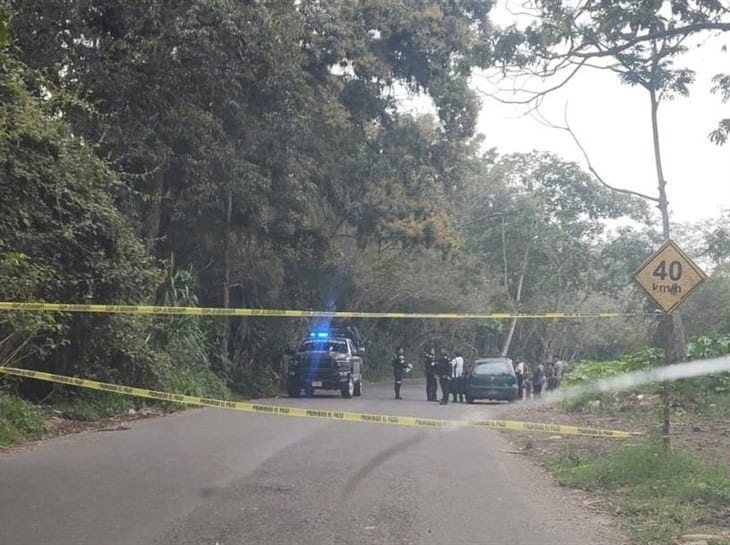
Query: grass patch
{"type": "Point", "coordinates": [89, 406]}
{"type": "Point", "coordinates": [19, 420]}
{"type": "Point", "coordinates": [658, 493]}
{"type": "Point", "coordinates": [626, 406]}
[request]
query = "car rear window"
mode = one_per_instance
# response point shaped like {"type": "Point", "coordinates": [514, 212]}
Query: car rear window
{"type": "Point", "coordinates": [492, 368]}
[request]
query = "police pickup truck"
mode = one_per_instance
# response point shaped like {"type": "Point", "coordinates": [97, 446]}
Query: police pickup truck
{"type": "Point", "coordinates": [325, 362]}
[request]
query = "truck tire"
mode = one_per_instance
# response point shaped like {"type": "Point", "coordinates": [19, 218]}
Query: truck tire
{"type": "Point", "coordinates": [358, 388]}
{"type": "Point", "coordinates": [348, 389]}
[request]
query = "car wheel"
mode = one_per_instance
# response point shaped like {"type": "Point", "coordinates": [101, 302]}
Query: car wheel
{"type": "Point", "coordinates": [470, 400]}
{"type": "Point", "coordinates": [357, 392]}
{"type": "Point", "coordinates": [348, 389]}
{"type": "Point", "coordinates": [308, 389]}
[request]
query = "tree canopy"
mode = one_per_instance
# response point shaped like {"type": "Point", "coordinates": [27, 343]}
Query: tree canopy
{"type": "Point", "coordinates": [260, 154]}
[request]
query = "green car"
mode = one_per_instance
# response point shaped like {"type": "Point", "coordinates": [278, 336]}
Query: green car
{"type": "Point", "coordinates": [492, 378]}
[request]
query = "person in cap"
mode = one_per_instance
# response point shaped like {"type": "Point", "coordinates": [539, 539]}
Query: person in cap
{"type": "Point", "coordinates": [443, 369]}
{"type": "Point", "coordinates": [429, 368]}
{"type": "Point", "coordinates": [400, 368]}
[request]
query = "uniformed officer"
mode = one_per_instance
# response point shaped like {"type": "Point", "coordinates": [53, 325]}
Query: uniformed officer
{"type": "Point", "coordinates": [443, 369]}
{"type": "Point", "coordinates": [429, 364]}
{"type": "Point", "coordinates": [400, 368]}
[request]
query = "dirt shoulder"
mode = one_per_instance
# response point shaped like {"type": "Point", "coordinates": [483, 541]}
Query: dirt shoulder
{"type": "Point", "coordinates": [706, 434]}
{"type": "Point", "coordinates": [696, 435]}
{"type": "Point", "coordinates": [59, 424]}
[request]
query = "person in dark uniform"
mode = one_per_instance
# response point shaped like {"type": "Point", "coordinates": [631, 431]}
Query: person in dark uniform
{"type": "Point", "coordinates": [400, 368]}
{"type": "Point", "coordinates": [429, 364]}
{"type": "Point", "coordinates": [443, 369]}
{"type": "Point", "coordinates": [538, 380]}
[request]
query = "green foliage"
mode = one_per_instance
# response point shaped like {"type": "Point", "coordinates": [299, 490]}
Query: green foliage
{"type": "Point", "coordinates": [660, 492]}
{"type": "Point", "coordinates": [19, 420]}
{"type": "Point", "coordinates": [702, 347]}
{"type": "Point", "coordinates": [706, 395]}
{"type": "Point", "coordinates": [24, 335]}
{"type": "Point", "coordinates": [182, 357]}
{"type": "Point", "coordinates": [709, 346]}
{"type": "Point", "coordinates": [536, 227]}
{"type": "Point", "coordinates": [258, 156]}
{"type": "Point", "coordinates": [4, 30]}
{"type": "Point", "coordinates": [722, 87]}
{"type": "Point", "coordinates": [707, 310]}
{"type": "Point", "coordinates": [704, 392]}
{"type": "Point", "coordinates": [89, 406]}
{"type": "Point", "coordinates": [181, 345]}
{"type": "Point", "coordinates": [586, 372]}
{"type": "Point", "coordinates": [62, 237]}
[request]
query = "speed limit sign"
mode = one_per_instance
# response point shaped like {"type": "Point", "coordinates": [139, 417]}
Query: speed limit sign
{"type": "Point", "coordinates": [669, 276]}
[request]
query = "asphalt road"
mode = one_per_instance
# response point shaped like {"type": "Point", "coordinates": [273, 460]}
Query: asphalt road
{"type": "Point", "coordinates": [208, 477]}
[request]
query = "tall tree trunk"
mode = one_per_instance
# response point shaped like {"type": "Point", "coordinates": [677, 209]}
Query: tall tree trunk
{"type": "Point", "coordinates": [662, 183]}
{"type": "Point", "coordinates": [153, 214]}
{"type": "Point", "coordinates": [671, 324]}
{"type": "Point", "coordinates": [226, 285]}
{"type": "Point", "coordinates": [518, 296]}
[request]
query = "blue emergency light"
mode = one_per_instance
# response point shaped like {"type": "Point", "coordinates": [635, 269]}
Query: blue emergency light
{"type": "Point", "coordinates": [319, 334]}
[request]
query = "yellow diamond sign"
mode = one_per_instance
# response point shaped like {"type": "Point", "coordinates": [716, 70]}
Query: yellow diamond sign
{"type": "Point", "coordinates": [669, 276]}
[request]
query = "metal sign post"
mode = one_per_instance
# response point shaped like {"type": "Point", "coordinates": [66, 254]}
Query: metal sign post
{"type": "Point", "coordinates": [668, 276]}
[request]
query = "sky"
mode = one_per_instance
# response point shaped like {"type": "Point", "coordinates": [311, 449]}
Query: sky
{"type": "Point", "coordinates": [613, 124]}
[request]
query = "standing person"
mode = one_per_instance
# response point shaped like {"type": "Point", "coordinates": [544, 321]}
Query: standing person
{"type": "Point", "coordinates": [429, 364]}
{"type": "Point", "coordinates": [457, 378]}
{"type": "Point", "coordinates": [400, 368]}
{"type": "Point", "coordinates": [559, 367]}
{"type": "Point", "coordinates": [538, 380]}
{"type": "Point", "coordinates": [550, 376]}
{"type": "Point", "coordinates": [520, 374]}
{"type": "Point", "coordinates": [443, 369]}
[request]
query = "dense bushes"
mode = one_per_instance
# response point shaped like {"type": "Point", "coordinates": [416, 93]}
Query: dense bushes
{"type": "Point", "coordinates": [19, 420]}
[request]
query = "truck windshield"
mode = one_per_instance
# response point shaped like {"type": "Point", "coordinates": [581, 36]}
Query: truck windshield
{"type": "Point", "coordinates": [324, 346]}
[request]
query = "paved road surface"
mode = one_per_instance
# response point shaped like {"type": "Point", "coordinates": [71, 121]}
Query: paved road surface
{"type": "Point", "coordinates": [207, 477]}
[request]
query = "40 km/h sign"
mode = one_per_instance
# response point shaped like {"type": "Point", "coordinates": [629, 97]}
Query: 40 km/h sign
{"type": "Point", "coordinates": [669, 276]}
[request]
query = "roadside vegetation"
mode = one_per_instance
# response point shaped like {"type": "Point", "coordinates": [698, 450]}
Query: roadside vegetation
{"type": "Point", "coordinates": [20, 420]}
{"type": "Point", "coordinates": [657, 494]}
{"type": "Point", "coordinates": [707, 395]}
{"type": "Point", "coordinates": [286, 171]}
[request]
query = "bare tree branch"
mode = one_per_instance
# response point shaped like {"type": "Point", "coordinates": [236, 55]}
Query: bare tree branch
{"type": "Point", "coordinates": [586, 157]}
{"type": "Point", "coordinates": [595, 172]}
{"type": "Point", "coordinates": [536, 95]}
{"type": "Point", "coordinates": [632, 40]}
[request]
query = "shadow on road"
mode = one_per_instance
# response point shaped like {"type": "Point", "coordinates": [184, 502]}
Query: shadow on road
{"type": "Point", "coordinates": [379, 459]}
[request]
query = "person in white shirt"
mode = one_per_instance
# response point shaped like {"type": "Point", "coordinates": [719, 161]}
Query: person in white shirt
{"type": "Point", "coordinates": [520, 374]}
{"type": "Point", "coordinates": [457, 374]}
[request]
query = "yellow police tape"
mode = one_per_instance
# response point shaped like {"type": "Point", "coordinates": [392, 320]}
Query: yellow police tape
{"type": "Point", "coordinates": [346, 416]}
{"type": "Point", "coordinates": [267, 312]}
